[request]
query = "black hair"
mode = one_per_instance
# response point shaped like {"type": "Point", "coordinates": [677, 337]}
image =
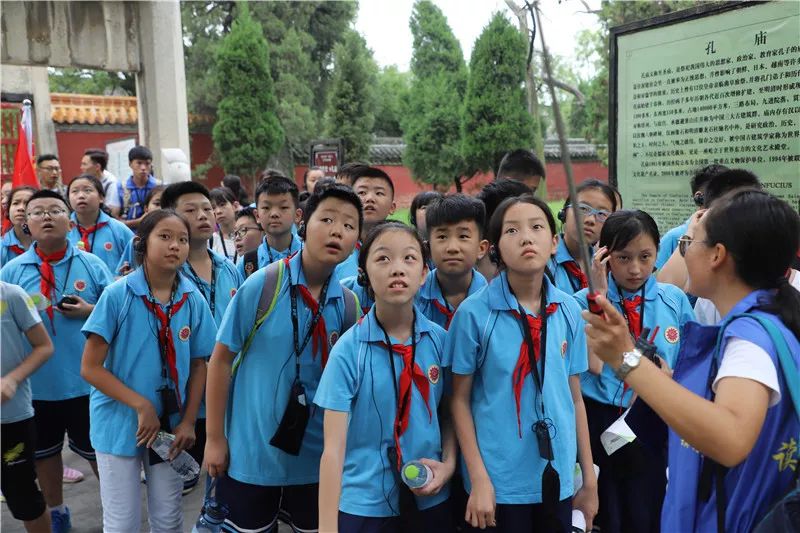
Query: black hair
{"type": "Point", "coordinates": [455, 208]}
{"type": "Point", "coordinates": [422, 199]}
{"type": "Point", "coordinates": [96, 183]}
{"type": "Point", "coordinates": [221, 196]}
{"type": "Point", "coordinates": [140, 152]}
{"type": "Point", "coordinates": [703, 175]}
{"type": "Point", "coordinates": [341, 192]}
{"type": "Point", "coordinates": [278, 184]}
{"type": "Point", "coordinates": [621, 227]}
{"type": "Point", "coordinates": [10, 198]}
{"type": "Point", "coordinates": [617, 196]}
{"type": "Point", "coordinates": [234, 183]}
{"type": "Point", "coordinates": [494, 192]}
{"type": "Point", "coordinates": [495, 229]}
{"type": "Point", "coordinates": [727, 181]}
{"type": "Point", "coordinates": [762, 234]}
{"type": "Point", "coordinates": [155, 190]}
{"type": "Point", "coordinates": [520, 164]}
{"type": "Point", "coordinates": [326, 182]}
{"type": "Point", "coordinates": [305, 174]}
{"type": "Point", "coordinates": [246, 212]}
{"type": "Point", "coordinates": [47, 193]}
{"type": "Point", "coordinates": [593, 183]}
{"type": "Point", "coordinates": [45, 157]}
{"type": "Point", "coordinates": [351, 170]}
{"type": "Point", "coordinates": [146, 227]}
{"type": "Point", "coordinates": [373, 172]}
{"type": "Point", "coordinates": [376, 231]}
{"type": "Point", "coordinates": [169, 200]}
{"type": "Point", "coordinates": [98, 156]}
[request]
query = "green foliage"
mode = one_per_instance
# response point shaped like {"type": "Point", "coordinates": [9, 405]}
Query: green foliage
{"type": "Point", "coordinates": [391, 101]}
{"type": "Point", "coordinates": [85, 81]}
{"type": "Point", "coordinates": [433, 123]}
{"type": "Point", "coordinates": [247, 132]}
{"type": "Point", "coordinates": [351, 105]}
{"type": "Point", "coordinates": [495, 116]}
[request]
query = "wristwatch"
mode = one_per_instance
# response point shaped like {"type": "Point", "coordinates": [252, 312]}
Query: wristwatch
{"type": "Point", "coordinates": [630, 361]}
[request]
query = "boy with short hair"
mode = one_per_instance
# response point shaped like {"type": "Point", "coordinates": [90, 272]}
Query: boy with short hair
{"type": "Point", "coordinates": [523, 166]}
{"type": "Point", "coordinates": [94, 162]}
{"type": "Point", "coordinates": [492, 195]}
{"type": "Point", "coordinates": [133, 192]}
{"type": "Point", "coordinates": [277, 378]}
{"type": "Point", "coordinates": [346, 174]}
{"type": "Point", "coordinates": [277, 211]}
{"type": "Point", "coordinates": [247, 236]}
{"type": "Point", "coordinates": [456, 240]}
{"type": "Point", "coordinates": [65, 284]}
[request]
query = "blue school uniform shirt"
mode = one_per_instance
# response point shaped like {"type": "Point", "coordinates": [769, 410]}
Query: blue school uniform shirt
{"type": "Point", "coordinates": [260, 389]}
{"type": "Point", "coordinates": [126, 258]}
{"type": "Point", "coordinates": [268, 254]}
{"type": "Point", "coordinates": [561, 277]}
{"type": "Point", "coordinates": [349, 267]}
{"type": "Point", "coordinates": [669, 243]}
{"type": "Point", "coordinates": [108, 242]}
{"type": "Point", "coordinates": [484, 341]}
{"type": "Point", "coordinates": [752, 486]}
{"type": "Point", "coordinates": [356, 380]}
{"type": "Point", "coordinates": [123, 320]}
{"type": "Point", "coordinates": [665, 307]}
{"type": "Point", "coordinates": [131, 197]}
{"type": "Point", "coordinates": [6, 253]}
{"type": "Point", "coordinates": [227, 281]}
{"type": "Point", "coordinates": [17, 316]}
{"type": "Point", "coordinates": [431, 292]}
{"type": "Point", "coordinates": [365, 301]}
{"type": "Point", "coordinates": [60, 377]}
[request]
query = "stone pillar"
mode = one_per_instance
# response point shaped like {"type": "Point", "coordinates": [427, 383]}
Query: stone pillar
{"type": "Point", "coordinates": [33, 81]}
{"type": "Point", "coordinates": [161, 81]}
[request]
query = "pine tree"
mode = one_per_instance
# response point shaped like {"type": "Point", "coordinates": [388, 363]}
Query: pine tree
{"type": "Point", "coordinates": [247, 132]}
{"type": "Point", "coordinates": [495, 116]}
{"type": "Point", "coordinates": [351, 103]}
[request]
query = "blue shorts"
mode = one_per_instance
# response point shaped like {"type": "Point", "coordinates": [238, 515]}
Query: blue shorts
{"type": "Point", "coordinates": [256, 508]}
{"type": "Point", "coordinates": [437, 519]}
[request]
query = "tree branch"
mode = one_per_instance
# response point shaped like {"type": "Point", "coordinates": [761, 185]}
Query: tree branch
{"type": "Point", "coordinates": [568, 88]}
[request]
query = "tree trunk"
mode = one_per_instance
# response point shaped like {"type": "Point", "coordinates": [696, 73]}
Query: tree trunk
{"type": "Point", "coordinates": [457, 181]}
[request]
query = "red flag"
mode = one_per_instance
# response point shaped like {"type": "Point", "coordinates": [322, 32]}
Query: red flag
{"type": "Point", "coordinates": [23, 167]}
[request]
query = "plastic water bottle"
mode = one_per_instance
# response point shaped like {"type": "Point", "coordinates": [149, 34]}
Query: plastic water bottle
{"type": "Point", "coordinates": [578, 521]}
{"type": "Point", "coordinates": [184, 464]}
{"type": "Point", "coordinates": [416, 474]}
{"type": "Point", "coordinates": [211, 519]}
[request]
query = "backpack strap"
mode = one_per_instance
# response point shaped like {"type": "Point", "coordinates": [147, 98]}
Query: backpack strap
{"type": "Point", "coordinates": [250, 262]}
{"type": "Point", "coordinates": [273, 279]}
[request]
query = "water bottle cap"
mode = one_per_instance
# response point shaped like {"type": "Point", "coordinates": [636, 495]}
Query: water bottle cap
{"type": "Point", "coordinates": [411, 471]}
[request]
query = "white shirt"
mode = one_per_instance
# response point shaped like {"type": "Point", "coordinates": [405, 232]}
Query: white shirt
{"type": "Point", "coordinates": [111, 189]}
{"type": "Point", "coordinates": [743, 359]}
{"type": "Point", "coordinates": [706, 312]}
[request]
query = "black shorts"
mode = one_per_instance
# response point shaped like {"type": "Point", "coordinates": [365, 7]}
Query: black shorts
{"type": "Point", "coordinates": [18, 476]}
{"type": "Point", "coordinates": [255, 508]}
{"type": "Point", "coordinates": [526, 517]}
{"type": "Point", "coordinates": [437, 519]}
{"type": "Point", "coordinates": [54, 418]}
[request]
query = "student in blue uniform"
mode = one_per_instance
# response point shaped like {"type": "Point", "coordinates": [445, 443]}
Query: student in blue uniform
{"type": "Point", "coordinates": [596, 201]}
{"type": "Point", "coordinates": [93, 230]}
{"type": "Point", "coordinates": [728, 404]}
{"type": "Point", "coordinates": [18, 238]}
{"type": "Point", "coordinates": [492, 195]}
{"type": "Point", "coordinates": [277, 377]}
{"type": "Point", "coordinates": [375, 189]}
{"type": "Point", "coordinates": [20, 322]}
{"type": "Point", "coordinates": [127, 262]}
{"type": "Point", "coordinates": [146, 345]}
{"type": "Point", "coordinates": [247, 234]}
{"type": "Point", "coordinates": [49, 271]}
{"type": "Point", "coordinates": [456, 243]}
{"type": "Point", "coordinates": [632, 482]}
{"type": "Point", "coordinates": [517, 349]}
{"type": "Point", "coordinates": [381, 393]}
{"type": "Point", "coordinates": [277, 211]}
{"type": "Point", "coordinates": [416, 213]}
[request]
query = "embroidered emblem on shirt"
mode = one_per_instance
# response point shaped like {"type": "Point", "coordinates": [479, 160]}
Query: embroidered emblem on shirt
{"type": "Point", "coordinates": [79, 285]}
{"type": "Point", "coordinates": [564, 349]}
{"type": "Point", "coordinates": [433, 374]}
{"type": "Point", "coordinates": [333, 337]}
{"type": "Point", "coordinates": [233, 292]}
{"type": "Point", "coordinates": [787, 456]}
{"type": "Point", "coordinates": [108, 246]}
{"type": "Point", "coordinates": [672, 334]}
{"type": "Point", "coordinates": [184, 333]}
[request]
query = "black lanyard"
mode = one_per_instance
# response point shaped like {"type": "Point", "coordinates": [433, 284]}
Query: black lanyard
{"type": "Point", "coordinates": [538, 382]}
{"type": "Point", "coordinates": [298, 348]}
{"type": "Point", "coordinates": [269, 248]}
{"type": "Point", "coordinates": [199, 282]}
{"type": "Point", "coordinates": [625, 313]}
{"type": "Point", "coordinates": [222, 240]}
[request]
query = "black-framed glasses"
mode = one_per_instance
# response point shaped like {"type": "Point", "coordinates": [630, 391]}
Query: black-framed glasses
{"type": "Point", "coordinates": [39, 214]}
{"type": "Point", "coordinates": [586, 210]}
{"type": "Point", "coordinates": [241, 232]}
{"type": "Point", "coordinates": [684, 242]}
{"type": "Point", "coordinates": [699, 199]}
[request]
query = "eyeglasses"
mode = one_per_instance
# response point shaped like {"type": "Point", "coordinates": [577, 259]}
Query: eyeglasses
{"type": "Point", "coordinates": [586, 210]}
{"type": "Point", "coordinates": [51, 169]}
{"type": "Point", "coordinates": [699, 198]}
{"type": "Point", "coordinates": [39, 214]}
{"type": "Point", "coordinates": [684, 242]}
{"type": "Point", "coordinates": [241, 232]}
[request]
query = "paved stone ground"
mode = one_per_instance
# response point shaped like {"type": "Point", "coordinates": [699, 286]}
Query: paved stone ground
{"type": "Point", "coordinates": [83, 500]}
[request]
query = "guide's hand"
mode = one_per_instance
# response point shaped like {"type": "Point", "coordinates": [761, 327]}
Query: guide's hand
{"type": "Point", "coordinates": [184, 439]}
{"type": "Point", "coordinates": [442, 472]}
{"type": "Point", "coordinates": [216, 456]}
{"type": "Point", "coordinates": [694, 221]}
{"type": "Point", "coordinates": [148, 424]}
{"type": "Point", "coordinates": [599, 271]}
{"type": "Point", "coordinates": [481, 505]}
{"type": "Point", "coordinates": [607, 336]}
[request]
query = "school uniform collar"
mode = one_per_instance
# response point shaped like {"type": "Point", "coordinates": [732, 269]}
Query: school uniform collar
{"type": "Point", "coordinates": [298, 277]}
{"type": "Point", "coordinates": [749, 302]}
{"type": "Point", "coordinates": [10, 238]}
{"type": "Point", "coordinates": [30, 257]}
{"type": "Point", "coordinates": [501, 299]}
{"type": "Point", "coordinates": [294, 245]}
{"type": "Point", "coordinates": [650, 289]}
{"type": "Point", "coordinates": [138, 283]}
{"type": "Point", "coordinates": [151, 182]}
{"type": "Point", "coordinates": [217, 263]}
{"type": "Point", "coordinates": [431, 290]}
{"type": "Point", "coordinates": [369, 331]}
{"type": "Point", "coordinates": [100, 219]}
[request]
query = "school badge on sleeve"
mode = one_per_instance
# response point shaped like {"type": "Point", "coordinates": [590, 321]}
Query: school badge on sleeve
{"type": "Point", "coordinates": [672, 334]}
{"type": "Point", "coordinates": [184, 333]}
{"type": "Point", "coordinates": [433, 374]}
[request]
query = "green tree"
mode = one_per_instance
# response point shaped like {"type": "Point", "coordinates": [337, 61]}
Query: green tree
{"type": "Point", "coordinates": [85, 81]}
{"type": "Point", "coordinates": [495, 115]}
{"type": "Point", "coordinates": [433, 122]}
{"type": "Point", "coordinates": [351, 105]}
{"type": "Point", "coordinates": [391, 101]}
{"type": "Point", "coordinates": [247, 131]}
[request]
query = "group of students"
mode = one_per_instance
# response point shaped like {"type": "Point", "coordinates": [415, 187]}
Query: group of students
{"type": "Point", "coordinates": [341, 346]}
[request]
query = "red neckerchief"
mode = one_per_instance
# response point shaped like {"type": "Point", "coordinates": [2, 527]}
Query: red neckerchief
{"type": "Point", "coordinates": [165, 337]}
{"type": "Point", "coordinates": [408, 375]}
{"type": "Point", "coordinates": [523, 366]}
{"type": "Point", "coordinates": [17, 249]}
{"type": "Point", "coordinates": [576, 272]}
{"type": "Point", "coordinates": [448, 313]}
{"type": "Point", "coordinates": [85, 232]}
{"type": "Point", "coordinates": [319, 338]}
{"type": "Point", "coordinates": [630, 307]}
{"type": "Point", "coordinates": [47, 284]}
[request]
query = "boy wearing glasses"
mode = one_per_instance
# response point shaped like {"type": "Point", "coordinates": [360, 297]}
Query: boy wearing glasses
{"type": "Point", "coordinates": [64, 284]}
{"type": "Point", "coordinates": [247, 236]}
{"type": "Point", "coordinates": [48, 170]}
{"type": "Point", "coordinates": [596, 201]}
